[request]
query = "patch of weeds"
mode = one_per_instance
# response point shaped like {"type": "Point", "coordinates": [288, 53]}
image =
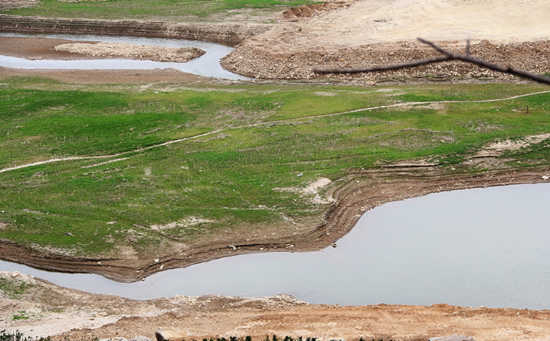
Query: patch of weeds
{"type": "Point", "coordinates": [14, 289]}
{"type": "Point", "coordinates": [18, 336]}
{"type": "Point", "coordinates": [21, 315]}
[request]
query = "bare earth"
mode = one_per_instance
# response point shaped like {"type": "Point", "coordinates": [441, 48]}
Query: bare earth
{"type": "Point", "coordinates": [54, 310]}
{"type": "Point", "coordinates": [368, 33]}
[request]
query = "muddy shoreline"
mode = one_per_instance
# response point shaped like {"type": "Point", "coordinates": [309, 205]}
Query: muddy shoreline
{"type": "Point", "coordinates": [355, 194]}
{"type": "Point", "coordinates": [76, 315]}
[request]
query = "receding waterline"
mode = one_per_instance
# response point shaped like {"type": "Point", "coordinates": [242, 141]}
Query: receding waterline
{"type": "Point", "coordinates": [473, 247]}
{"type": "Point", "coordinates": [207, 65]}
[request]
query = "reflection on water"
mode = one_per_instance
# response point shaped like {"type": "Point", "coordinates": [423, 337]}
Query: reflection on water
{"type": "Point", "coordinates": [206, 65]}
{"type": "Point", "coordinates": [473, 247]}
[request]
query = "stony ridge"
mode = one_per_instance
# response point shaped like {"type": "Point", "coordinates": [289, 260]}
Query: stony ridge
{"type": "Point", "coordinates": [253, 61]}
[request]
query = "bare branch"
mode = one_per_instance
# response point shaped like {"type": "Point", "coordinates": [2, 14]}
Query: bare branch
{"type": "Point", "coordinates": [448, 56]}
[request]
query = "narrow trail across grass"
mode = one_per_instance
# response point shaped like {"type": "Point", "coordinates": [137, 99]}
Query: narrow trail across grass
{"type": "Point", "coordinates": [75, 158]}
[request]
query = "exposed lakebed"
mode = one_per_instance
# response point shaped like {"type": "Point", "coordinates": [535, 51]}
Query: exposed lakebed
{"type": "Point", "coordinates": [207, 65]}
{"type": "Point", "coordinates": [472, 247]}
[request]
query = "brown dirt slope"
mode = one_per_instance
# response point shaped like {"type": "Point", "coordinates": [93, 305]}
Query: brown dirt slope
{"type": "Point", "coordinates": [216, 32]}
{"type": "Point", "coordinates": [369, 33]}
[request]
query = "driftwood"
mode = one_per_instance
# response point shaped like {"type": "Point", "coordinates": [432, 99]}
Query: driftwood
{"type": "Point", "coordinates": [447, 57]}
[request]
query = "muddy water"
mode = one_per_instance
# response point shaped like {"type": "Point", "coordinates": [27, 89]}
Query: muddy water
{"type": "Point", "coordinates": [475, 247]}
{"type": "Point", "coordinates": [207, 65]}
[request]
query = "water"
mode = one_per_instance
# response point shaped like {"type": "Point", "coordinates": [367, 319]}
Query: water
{"type": "Point", "coordinates": [206, 65]}
{"type": "Point", "coordinates": [474, 247]}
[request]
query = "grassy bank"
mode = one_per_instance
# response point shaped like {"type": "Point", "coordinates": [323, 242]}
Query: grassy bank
{"type": "Point", "coordinates": [224, 184]}
{"type": "Point", "coordinates": [169, 10]}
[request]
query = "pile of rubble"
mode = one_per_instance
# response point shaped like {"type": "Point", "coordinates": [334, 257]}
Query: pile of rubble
{"type": "Point", "coordinates": [253, 61]}
{"type": "Point", "coordinates": [133, 51]}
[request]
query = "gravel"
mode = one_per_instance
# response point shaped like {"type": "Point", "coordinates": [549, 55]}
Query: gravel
{"type": "Point", "coordinates": [132, 51]}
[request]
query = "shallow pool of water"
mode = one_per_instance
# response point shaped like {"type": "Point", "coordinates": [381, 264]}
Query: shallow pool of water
{"type": "Point", "coordinates": [475, 247]}
{"type": "Point", "coordinates": [207, 65]}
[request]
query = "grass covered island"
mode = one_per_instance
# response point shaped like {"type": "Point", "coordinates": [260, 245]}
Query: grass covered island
{"type": "Point", "coordinates": [127, 180]}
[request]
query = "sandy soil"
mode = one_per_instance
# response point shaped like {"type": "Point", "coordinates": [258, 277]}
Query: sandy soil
{"type": "Point", "coordinates": [52, 310]}
{"type": "Point", "coordinates": [37, 48]}
{"type": "Point", "coordinates": [132, 51]}
{"type": "Point", "coordinates": [367, 33]}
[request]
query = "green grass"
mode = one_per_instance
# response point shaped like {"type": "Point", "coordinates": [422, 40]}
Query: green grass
{"type": "Point", "coordinates": [175, 10]}
{"type": "Point", "coordinates": [227, 180]}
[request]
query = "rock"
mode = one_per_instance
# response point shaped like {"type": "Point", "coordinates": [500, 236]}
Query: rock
{"type": "Point", "coordinates": [172, 334]}
{"type": "Point", "coordinates": [115, 339]}
{"type": "Point", "coordinates": [141, 338]}
{"type": "Point", "coordinates": [452, 338]}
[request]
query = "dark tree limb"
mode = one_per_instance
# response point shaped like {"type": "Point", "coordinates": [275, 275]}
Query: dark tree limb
{"type": "Point", "coordinates": [448, 56]}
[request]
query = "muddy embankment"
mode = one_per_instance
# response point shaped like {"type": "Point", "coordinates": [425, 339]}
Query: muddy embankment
{"type": "Point", "coordinates": [366, 34]}
{"type": "Point", "coordinates": [257, 61]}
{"type": "Point", "coordinates": [355, 194]}
{"type": "Point", "coordinates": [228, 33]}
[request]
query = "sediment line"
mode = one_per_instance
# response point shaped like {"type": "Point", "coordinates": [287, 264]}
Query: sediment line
{"type": "Point", "coordinates": [231, 33]}
{"type": "Point", "coordinates": [355, 194]}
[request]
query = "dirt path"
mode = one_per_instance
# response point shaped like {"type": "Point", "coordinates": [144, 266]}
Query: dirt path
{"type": "Point", "coordinates": [214, 132]}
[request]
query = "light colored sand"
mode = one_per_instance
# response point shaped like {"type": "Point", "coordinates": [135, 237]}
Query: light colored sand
{"type": "Point", "coordinates": [373, 21]}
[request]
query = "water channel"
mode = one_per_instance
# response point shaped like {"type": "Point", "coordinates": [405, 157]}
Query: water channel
{"type": "Point", "coordinates": [473, 247]}
{"type": "Point", "coordinates": [206, 65]}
